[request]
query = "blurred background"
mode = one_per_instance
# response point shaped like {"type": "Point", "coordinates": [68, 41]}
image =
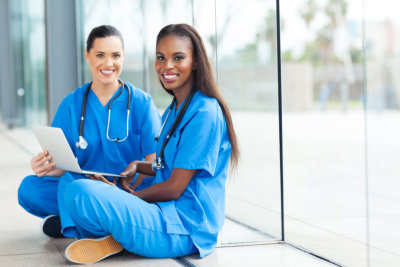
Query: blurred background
{"type": "Point", "coordinates": [315, 103]}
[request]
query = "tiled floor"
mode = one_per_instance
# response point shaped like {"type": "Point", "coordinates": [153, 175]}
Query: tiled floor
{"type": "Point", "coordinates": [23, 244]}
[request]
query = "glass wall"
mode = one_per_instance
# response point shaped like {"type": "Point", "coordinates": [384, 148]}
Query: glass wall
{"type": "Point", "coordinates": [382, 45]}
{"type": "Point", "coordinates": [247, 74]}
{"type": "Point", "coordinates": [324, 128]}
{"type": "Point", "coordinates": [29, 54]}
{"type": "Point", "coordinates": [243, 54]}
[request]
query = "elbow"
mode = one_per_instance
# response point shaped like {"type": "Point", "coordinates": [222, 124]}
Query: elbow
{"type": "Point", "coordinates": [175, 192]}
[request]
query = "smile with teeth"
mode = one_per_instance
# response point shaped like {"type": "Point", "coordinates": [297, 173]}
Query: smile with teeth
{"type": "Point", "coordinates": [107, 72]}
{"type": "Point", "coordinates": [170, 76]}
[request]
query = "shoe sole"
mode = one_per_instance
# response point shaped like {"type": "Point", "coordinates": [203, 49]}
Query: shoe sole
{"type": "Point", "coordinates": [86, 251]}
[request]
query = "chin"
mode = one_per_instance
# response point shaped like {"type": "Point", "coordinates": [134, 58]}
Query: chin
{"type": "Point", "coordinates": [109, 79]}
{"type": "Point", "coordinates": [168, 90]}
{"type": "Point", "coordinates": [166, 87]}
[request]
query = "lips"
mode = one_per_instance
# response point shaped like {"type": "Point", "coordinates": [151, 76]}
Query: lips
{"type": "Point", "coordinates": [107, 72]}
{"type": "Point", "coordinates": [169, 77]}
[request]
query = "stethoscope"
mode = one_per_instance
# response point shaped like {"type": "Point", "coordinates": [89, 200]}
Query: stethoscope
{"type": "Point", "coordinates": [159, 161]}
{"type": "Point", "coordinates": [82, 143]}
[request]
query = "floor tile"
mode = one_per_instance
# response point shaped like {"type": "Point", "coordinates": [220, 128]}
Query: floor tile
{"type": "Point", "coordinates": [44, 259]}
{"type": "Point", "coordinates": [25, 242]}
{"type": "Point", "coordinates": [274, 255]}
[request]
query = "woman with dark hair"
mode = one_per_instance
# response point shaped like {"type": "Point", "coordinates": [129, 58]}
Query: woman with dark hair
{"type": "Point", "coordinates": [108, 123]}
{"type": "Point", "coordinates": [180, 208]}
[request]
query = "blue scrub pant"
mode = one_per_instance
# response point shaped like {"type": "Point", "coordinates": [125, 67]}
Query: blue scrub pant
{"type": "Point", "coordinates": [45, 196]}
{"type": "Point", "coordinates": [94, 208]}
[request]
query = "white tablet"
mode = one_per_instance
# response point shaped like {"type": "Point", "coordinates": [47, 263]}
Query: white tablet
{"type": "Point", "coordinates": [53, 140]}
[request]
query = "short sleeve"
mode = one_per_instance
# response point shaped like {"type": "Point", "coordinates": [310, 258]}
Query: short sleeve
{"type": "Point", "coordinates": [200, 140]}
{"type": "Point", "coordinates": [149, 128]}
{"type": "Point", "coordinates": [62, 120]}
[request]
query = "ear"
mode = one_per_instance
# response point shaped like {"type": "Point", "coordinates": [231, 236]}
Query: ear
{"type": "Point", "coordinates": [86, 55]}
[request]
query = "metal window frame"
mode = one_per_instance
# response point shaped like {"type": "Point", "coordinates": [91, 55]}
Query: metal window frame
{"type": "Point", "coordinates": [62, 72]}
{"type": "Point", "coordinates": [8, 97]}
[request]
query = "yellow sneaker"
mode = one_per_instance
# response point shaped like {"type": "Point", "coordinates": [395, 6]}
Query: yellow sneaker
{"type": "Point", "coordinates": [92, 250]}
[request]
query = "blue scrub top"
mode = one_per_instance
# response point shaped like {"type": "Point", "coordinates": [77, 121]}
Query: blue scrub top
{"type": "Point", "coordinates": [199, 143]}
{"type": "Point", "coordinates": [102, 154]}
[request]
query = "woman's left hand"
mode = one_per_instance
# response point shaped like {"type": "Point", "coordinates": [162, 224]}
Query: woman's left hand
{"type": "Point", "coordinates": [101, 178]}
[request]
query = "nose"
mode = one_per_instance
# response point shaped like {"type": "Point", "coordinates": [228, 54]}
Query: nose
{"type": "Point", "coordinates": [108, 62]}
{"type": "Point", "coordinates": [168, 64]}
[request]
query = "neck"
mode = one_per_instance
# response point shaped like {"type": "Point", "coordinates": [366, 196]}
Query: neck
{"type": "Point", "coordinates": [105, 88]}
{"type": "Point", "coordinates": [104, 91]}
{"type": "Point", "coordinates": [181, 95]}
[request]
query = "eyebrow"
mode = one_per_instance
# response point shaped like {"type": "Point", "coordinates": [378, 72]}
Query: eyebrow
{"type": "Point", "coordinates": [102, 52]}
{"type": "Point", "coordinates": [174, 54]}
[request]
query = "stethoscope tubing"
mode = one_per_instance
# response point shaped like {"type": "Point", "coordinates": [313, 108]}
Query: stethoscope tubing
{"type": "Point", "coordinates": [159, 162]}
{"type": "Point", "coordinates": [82, 143]}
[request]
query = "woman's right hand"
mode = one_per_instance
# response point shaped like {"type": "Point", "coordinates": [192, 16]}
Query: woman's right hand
{"type": "Point", "coordinates": [144, 168]}
{"type": "Point", "coordinates": [129, 172]}
{"type": "Point", "coordinates": [41, 164]}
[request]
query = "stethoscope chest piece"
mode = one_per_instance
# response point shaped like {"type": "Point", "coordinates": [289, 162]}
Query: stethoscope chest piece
{"type": "Point", "coordinates": [157, 164]}
{"type": "Point", "coordinates": [82, 143]}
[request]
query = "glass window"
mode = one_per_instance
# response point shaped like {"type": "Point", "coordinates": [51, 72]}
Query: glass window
{"type": "Point", "coordinates": [246, 60]}
{"type": "Point", "coordinates": [382, 44]}
{"type": "Point", "coordinates": [323, 128]}
{"type": "Point", "coordinates": [29, 53]}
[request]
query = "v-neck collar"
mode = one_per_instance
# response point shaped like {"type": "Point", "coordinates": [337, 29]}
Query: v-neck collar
{"type": "Point", "coordinates": [180, 106]}
{"type": "Point", "coordinates": [98, 100]}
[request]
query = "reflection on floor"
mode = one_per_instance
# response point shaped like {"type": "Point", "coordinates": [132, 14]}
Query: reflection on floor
{"type": "Point", "coordinates": [235, 231]}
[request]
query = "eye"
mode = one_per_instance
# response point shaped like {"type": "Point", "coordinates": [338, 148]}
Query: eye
{"type": "Point", "coordinates": [116, 55]}
{"type": "Point", "coordinates": [99, 55]}
{"type": "Point", "coordinates": [177, 58]}
{"type": "Point", "coordinates": [159, 58]}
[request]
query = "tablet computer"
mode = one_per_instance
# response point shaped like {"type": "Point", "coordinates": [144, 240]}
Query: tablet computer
{"type": "Point", "coordinates": [53, 140]}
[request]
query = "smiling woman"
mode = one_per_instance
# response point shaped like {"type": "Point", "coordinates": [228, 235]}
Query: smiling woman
{"type": "Point", "coordinates": [111, 139]}
{"type": "Point", "coordinates": [105, 57]}
{"type": "Point", "coordinates": [175, 65]}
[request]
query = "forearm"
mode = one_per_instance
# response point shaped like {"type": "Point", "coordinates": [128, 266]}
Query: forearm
{"type": "Point", "coordinates": [158, 193]}
{"type": "Point", "coordinates": [145, 167]}
{"type": "Point", "coordinates": [170, 189]}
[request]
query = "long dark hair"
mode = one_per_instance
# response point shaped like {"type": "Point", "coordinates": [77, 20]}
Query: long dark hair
{"type": "Point", "coordinates": [203, 77]}
{"type": "Point", "coordinates": [102, 32]}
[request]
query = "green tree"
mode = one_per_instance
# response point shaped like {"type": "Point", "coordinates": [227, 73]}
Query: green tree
{"type": "Point", "coordinates": [307, 11]}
